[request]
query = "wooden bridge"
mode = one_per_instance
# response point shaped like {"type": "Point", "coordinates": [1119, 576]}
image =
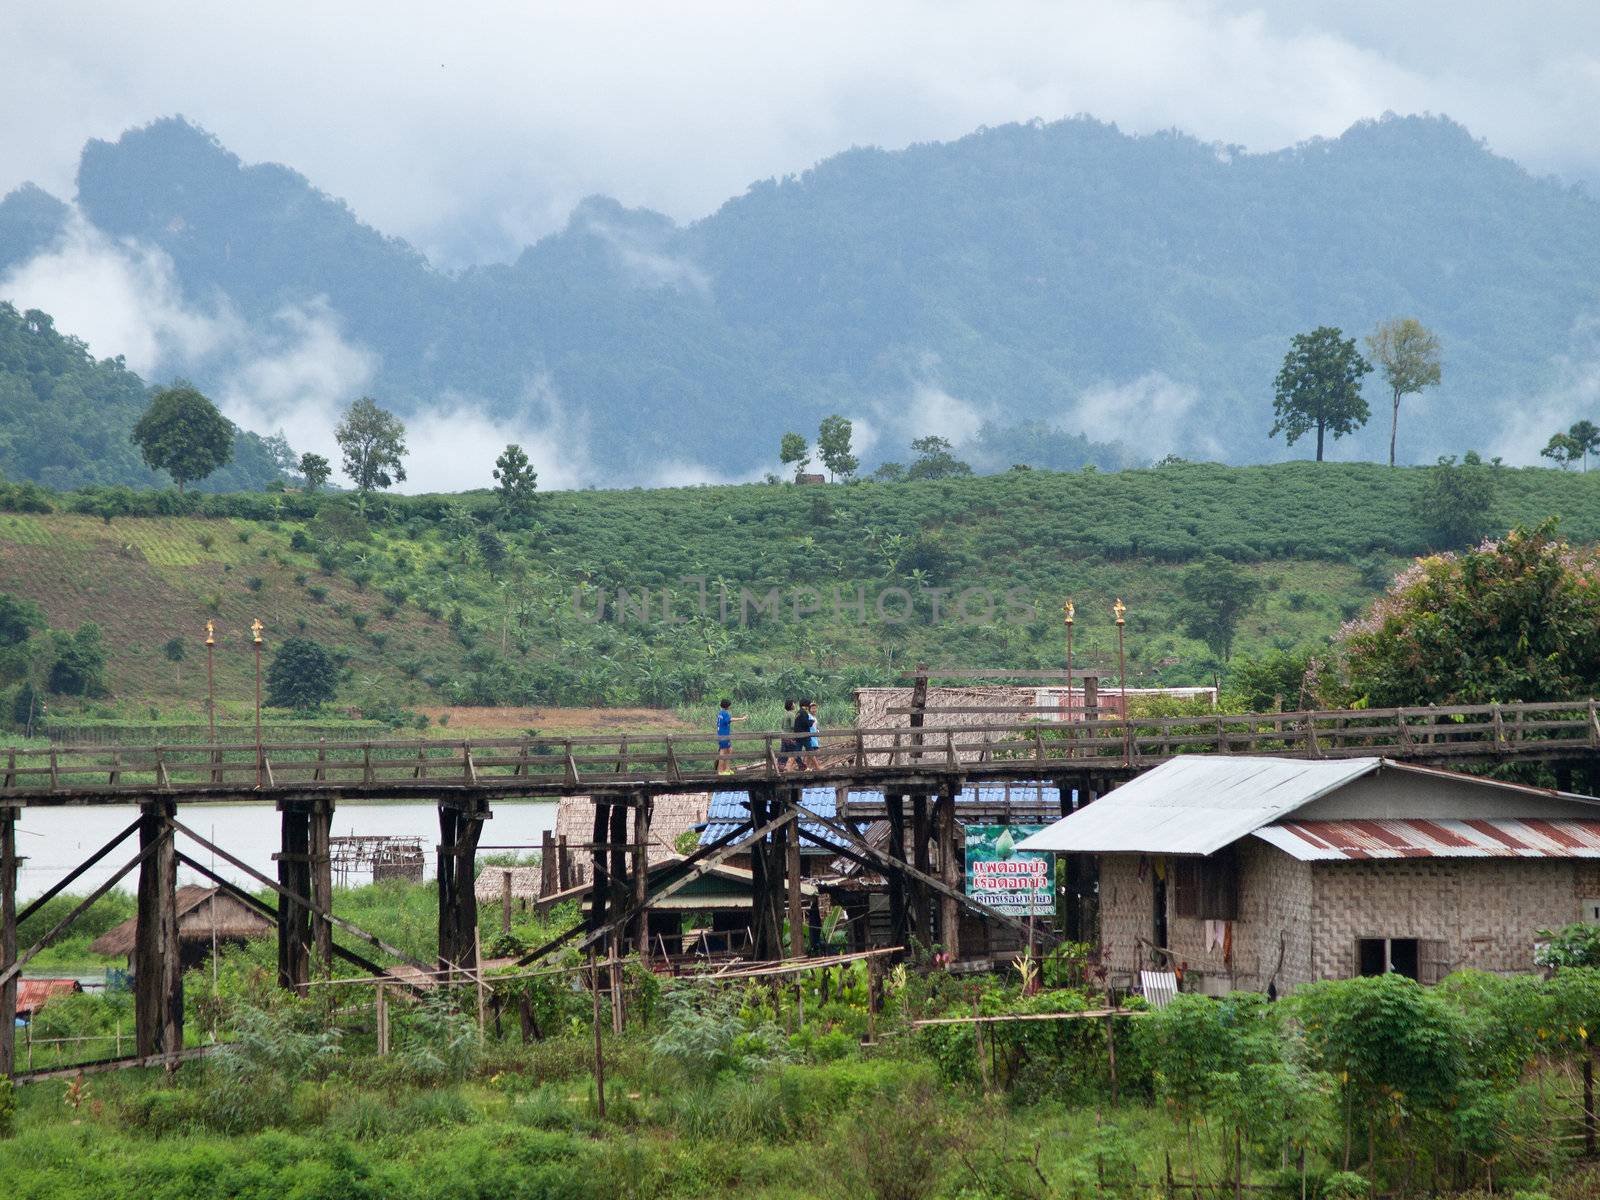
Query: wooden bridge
{"type": "Point", "coordinates": [920, 766]}
{"type": "Point", "coordinates": [623, 768]}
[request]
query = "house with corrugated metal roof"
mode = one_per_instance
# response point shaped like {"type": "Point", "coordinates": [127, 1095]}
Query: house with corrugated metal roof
{"type": "Point", "coordinates": [1266, 873]}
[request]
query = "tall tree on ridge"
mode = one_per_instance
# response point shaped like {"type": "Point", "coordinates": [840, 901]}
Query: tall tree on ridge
{"type": "Point", "coordinates": [183, 434]}
{"type": "Point", "coordinates": [374, 443]}
{"type": "Point", "coordinates": [793, 451]}
{"type": "Point", "coordinates": [1319, 387]}
{"type": "Point", "coordinates": [833, 445]}
{"type": "Point", "coordinates": [1408, 352]}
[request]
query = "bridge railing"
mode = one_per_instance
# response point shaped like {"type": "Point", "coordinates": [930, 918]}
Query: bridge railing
{"type": "Point", "coordinates": [540, 765]}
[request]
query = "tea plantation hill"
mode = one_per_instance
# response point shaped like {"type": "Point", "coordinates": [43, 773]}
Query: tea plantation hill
{"type": "Point", "coordinates": [430, 602]}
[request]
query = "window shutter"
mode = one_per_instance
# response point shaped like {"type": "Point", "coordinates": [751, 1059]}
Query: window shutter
{"type": "Point", "coordinates": [1433, 960]}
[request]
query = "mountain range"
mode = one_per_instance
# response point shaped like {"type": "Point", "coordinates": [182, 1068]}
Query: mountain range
{"type": "Point", "coordinates": [1058, 293]}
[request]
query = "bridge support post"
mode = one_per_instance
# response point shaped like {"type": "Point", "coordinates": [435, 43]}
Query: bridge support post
{"type": "Point", "coordinates": [899, 924]}
{"type": "Point", "coordinates": [598, 875]}
{"type": "Point", "coordinates": [294, 876]}
{"type": "Point", "coordinates": [641, 874]}
{"type": "Point", "coordinates": [321, 894]}
{"type": "Point", "coordinates": [948, 832]}
{"type": "Point", "coordinates": [791, 844]}
{"type": "Point", "coordinates": [460, 829]}
{"type": "Point", "coordinates": [8, 937]}
{"type": "Point", "coordinates": [157, 957]}
{"type": "Point", "coordinates": [621, 887]}
{"type": "Point", "coordinates": [921, 898]}
{"type": "Point", "coordinates": [768, 858]}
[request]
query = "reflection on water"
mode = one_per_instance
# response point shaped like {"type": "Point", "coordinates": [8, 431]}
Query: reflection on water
{"type": "Point", "coordinates": [55, 840]}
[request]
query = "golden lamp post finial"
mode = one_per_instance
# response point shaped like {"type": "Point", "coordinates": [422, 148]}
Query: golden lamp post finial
{"type": "Point", "coordinates": [1119, 608]}
{"type": "Point", "coordinates": [255, 629]}
{"type": "Point", "coordinates": [1070, 611]}
{"type": "Point", "coordinates": [211, 633]}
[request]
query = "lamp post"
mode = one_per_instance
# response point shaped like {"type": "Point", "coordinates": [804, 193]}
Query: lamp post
{"type": "Point", "coordinates": [1120, 610]}
{"type": "Point", "coordinates": [211, 679]}
{"type": "Point", "coordinates": [255, 630]}
{"type": "Point", "coordinates": [1068, 612]}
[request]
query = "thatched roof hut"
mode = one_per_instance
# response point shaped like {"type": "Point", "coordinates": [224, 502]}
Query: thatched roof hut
{"type": "Point", "coordinates": [203, 913]}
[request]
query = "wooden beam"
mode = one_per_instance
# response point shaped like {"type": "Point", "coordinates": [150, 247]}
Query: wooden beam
{"type": "Point", "coordinates": [338, 922]}
{"type": "Point", "coordinates": [726, 848]}
{"type": "Point", "coordinates": [19, 961]}
{"type": "Point", "coordinates": [254, 903]}
{"type": "Point", "coordinates": [73, 875]}
{"type": "Point", "coordinates": [859, 843]}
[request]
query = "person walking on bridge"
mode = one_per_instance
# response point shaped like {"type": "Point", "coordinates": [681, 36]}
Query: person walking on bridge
{"type": "Point", "coordinates": [725, 720]}
{"type": "Point", "coordinates": [805, 740]}
{"type": "Point", "coordinates": [787, 746]}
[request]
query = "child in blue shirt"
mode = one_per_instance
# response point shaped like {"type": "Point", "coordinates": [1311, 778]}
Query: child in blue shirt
{"type": "Point", "coordinates": [725, 720]}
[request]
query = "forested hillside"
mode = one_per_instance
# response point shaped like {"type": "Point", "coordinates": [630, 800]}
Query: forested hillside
{"type": "Point", "coordinates": [1140, 291]}
{"type": "Point", "coordinates": [446, 600]}
{"type": "Point", "coordinates": [65, 417]}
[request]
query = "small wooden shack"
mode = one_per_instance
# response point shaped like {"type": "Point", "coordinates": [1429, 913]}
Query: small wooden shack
{"type": "Point", "coordinates": [205, 915]}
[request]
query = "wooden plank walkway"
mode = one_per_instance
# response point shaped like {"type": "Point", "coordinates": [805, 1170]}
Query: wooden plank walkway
{"type": "Point", "coordinates": [626, 767]}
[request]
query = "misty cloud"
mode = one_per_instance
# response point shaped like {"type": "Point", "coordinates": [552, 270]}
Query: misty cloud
{"type": "Point", "coordinates": [1160, 408]}
{"type": "Point", "coordinates": [295, 372]}
{"type": "Point", "coordinates": [474, 128]}
{"type": "Point", "coordinates": [1526, 423]}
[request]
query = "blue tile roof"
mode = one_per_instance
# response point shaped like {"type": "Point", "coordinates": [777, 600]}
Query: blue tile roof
{"type": "Point", "coordinates": [728, 810]}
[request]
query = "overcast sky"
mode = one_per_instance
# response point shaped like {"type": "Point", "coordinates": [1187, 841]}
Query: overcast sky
{"type": "Point", "coordinates": [472, 127]}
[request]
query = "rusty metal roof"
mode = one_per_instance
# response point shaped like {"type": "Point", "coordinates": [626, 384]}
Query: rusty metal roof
{"type": "Point", "coordinates": [1196, 804]}
{"type": "Point", "coordinates": [1500, 837]}
{"type": "Point", "coordinates": [32, 993]}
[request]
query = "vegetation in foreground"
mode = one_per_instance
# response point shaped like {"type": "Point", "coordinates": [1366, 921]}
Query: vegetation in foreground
{"type": "Point", "coordinates": [795, 1090]}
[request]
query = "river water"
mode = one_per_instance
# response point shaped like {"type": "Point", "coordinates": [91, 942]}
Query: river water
{"type": "Point", "coordinates": [54, 840]}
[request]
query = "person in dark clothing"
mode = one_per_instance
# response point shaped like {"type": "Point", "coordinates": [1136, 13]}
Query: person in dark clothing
{"type": "Point", "coordinates": [786, 746]}
{"type": "Point", "coordinates": [805, 721]}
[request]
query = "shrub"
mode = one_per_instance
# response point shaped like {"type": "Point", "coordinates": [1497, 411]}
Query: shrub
{"type": "Point", "coordinates": [255, 583]}
{"type": "Point", "coordinates": [207, 540]}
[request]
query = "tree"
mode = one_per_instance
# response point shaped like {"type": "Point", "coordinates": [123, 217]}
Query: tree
{"type": "Point", "coordinates": [279, 452]}
{"type": "Point", "coordinates": [175, 652]}
{"type": "Point", "coordinates": [1218, 595]}
{"type": "Point", "coordinates": [1562, 450]}
{"type": "Point", "coordinates": [183, 434]}
{"type": "Point", "coordinates": [890, 472]}
{"type": "Point", "coordinates": [833, 445]}
{"type": "Point", "coordinates": [373, 441]}
{"type": "Point", "coordinates": [19, 619]}
{"type": "Point", "coordinates": [1585, 435]}
{"type": "Point", "coordinates": [1262, 684]}
{"type": "Point", "coordinates": [515, 482]}
{"type": "Point", "coordinates": [302, 675]}
{"type": "Point", "coordinates": [79, 666]}
{"type": "Point", "coordinates": [1456, 505]}
{"type": "Point", "coordinates": [1409, 355]}
{"type": "Point", "coordinates": [314, 469]}
{"type": "Point", "coordinates": [935, 460]}
{"type": "Point", "coordinates": [1319, 387]}
{"type": "Point", "coordinates": [793, 451]}
{"type": "Point", "coordinates": [1516, 619]}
